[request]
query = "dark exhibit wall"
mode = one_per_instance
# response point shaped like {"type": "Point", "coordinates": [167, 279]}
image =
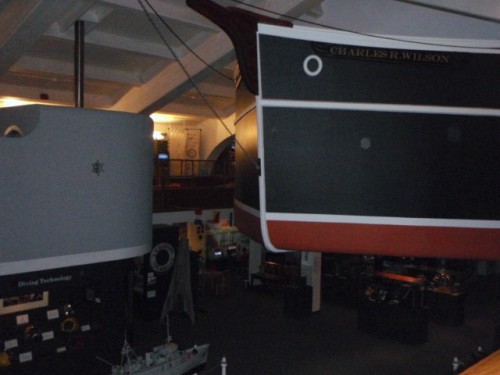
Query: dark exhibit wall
{"type": "Point", "coordinates": [58, 321]}
{"type": "Point", "coordinates": [153, 272]}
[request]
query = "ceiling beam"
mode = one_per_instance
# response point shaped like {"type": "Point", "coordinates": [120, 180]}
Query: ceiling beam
{"type": "Point", "coordinates": [201, 112]}
{"type": "Point", "coordinates": [28, 63]}
{"type": "Point", "coordinates": [154, 94]}
{"type": "Point", "coordinates": [22, 23]}
{"type": "Point", "coordinates": [67, 20]}
{"type": "Point", "coordinates": [63, 97]}
{"type": "Point", "coordinates": [169, 9]}
{"type": "Point", "coordinates": [486, 10]}
{"type": "Point", "coordinates": [216, 89]}
{"type": "Point", "coordinates": [122, 43]}
{"type": "Point", "coordinates": [291, 8]}
{"type": "Point", "coordinates": [186, 85]}
{"type": "Point", "coordinates": [172, 81]}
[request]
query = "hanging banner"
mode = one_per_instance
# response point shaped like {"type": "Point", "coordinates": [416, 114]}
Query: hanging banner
{"type": "Point", "coordinates": [191, 166]}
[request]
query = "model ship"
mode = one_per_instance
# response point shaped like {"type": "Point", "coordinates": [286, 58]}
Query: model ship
{"type": "Point", "coordinates": [165, 359]}
{"type": "Point", "coordinates": [364, 144]}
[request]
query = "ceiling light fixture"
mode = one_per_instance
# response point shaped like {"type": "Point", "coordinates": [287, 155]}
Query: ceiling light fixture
{"type": "Point", "coordinates": [166, 118]}
{"type": "Point", "coordinates": [8, 101]}
{"type": "Point", "coordinates": [12, 102]}
{"type": "Point", "coordinates": [157, 136]}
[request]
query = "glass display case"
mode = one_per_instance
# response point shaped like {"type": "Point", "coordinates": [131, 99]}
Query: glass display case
{"type": "Point", "coordinates": [392, 305]}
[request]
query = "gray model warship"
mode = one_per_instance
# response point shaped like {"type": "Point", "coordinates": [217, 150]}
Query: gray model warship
{"type": "Point", "coordinates": [165, 359]}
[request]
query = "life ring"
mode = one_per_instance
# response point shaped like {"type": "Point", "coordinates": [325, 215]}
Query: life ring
{"type": "Point", "coordinates": [69, 325]}
{"type": "Point", "coordinates": [162, 257]}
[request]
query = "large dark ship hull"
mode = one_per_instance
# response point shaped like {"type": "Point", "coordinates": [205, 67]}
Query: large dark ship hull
{"type": "Point", "coordinates": [370, 145]}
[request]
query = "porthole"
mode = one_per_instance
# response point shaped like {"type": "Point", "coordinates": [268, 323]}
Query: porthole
{"type": "Point", "coordinates": [312, 65]}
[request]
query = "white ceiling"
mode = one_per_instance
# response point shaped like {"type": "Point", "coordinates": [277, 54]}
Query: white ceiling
{"type": "Point", "coordinates": [128, 66]}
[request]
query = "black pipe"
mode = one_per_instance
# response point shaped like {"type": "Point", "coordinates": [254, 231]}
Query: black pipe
{"type": "Point", "coordinates": [79, 44]}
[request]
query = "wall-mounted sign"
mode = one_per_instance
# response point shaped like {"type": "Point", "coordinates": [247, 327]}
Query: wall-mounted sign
{"type": "Point", "coordinates": [9, 305]}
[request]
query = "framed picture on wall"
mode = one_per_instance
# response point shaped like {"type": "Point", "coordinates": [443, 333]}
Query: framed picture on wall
{"type": "Point", "coordinates": [29, 301]}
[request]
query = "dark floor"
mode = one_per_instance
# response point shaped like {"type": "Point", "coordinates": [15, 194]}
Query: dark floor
{"type": "Point", "coordinates": [250, 328]}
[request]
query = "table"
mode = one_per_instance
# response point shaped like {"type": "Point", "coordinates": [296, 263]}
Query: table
{"type": "Point", "coordinates": [487, 366]}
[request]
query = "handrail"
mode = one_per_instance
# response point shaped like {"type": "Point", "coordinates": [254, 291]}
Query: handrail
{"type": "Point", "coordinates": [175, 168]}
{"type": "Point", "coordinates": [181, 184]}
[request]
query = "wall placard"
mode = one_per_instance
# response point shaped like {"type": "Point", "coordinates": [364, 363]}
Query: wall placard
{"type": "Point", "coordinates": [23, 302]}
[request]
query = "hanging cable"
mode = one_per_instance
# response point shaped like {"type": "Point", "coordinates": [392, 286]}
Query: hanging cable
{"type": "Point", "coordinates": [185, 44]}
{"type": "Point", "coordinates": [385, 37]}
{"type": "Point", "coordinates": [195, 86]}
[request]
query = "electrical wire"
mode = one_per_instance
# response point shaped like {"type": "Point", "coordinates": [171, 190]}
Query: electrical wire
{"type": "Point", "coordinates": [385, 37]}
{"type": "Point", "coordinates": [195, 86]}
{"type": "Point", "coordinates": [184, 43]}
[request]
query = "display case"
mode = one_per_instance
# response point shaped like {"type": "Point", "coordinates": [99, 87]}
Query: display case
{"type": "Point", "coordinates": [444, 296]}
{"type": "Point", "coordinates": [393, 306]}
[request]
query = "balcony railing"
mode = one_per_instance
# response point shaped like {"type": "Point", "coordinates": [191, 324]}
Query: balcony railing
{"type": "Point", "coordinates": [181, 184]}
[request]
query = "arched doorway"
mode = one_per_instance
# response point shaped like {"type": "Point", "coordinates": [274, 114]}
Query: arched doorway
{"type": "Point", "coordinates": [223, 157]}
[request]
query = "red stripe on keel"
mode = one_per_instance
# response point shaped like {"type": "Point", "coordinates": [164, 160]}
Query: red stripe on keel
{"type": "Point", "coordinates": [393, 240]}
{"type": "Point", "coordinates": [248, 224]}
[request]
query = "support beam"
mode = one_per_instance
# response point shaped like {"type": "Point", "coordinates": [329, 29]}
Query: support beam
{"type": "Point", "coordinates": [311, 268]}
{"type": "Point", "coordinates": [79, 59]}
